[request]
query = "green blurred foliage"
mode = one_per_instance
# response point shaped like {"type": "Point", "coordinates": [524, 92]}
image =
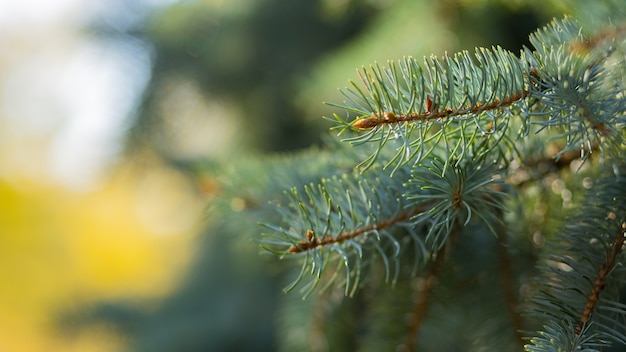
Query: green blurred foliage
{"type": "Point", "coordinates": [247, 53]}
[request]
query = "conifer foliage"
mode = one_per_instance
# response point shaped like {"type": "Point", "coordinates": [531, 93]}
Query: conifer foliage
{"type": "Point", "coordinates": [447, 153]}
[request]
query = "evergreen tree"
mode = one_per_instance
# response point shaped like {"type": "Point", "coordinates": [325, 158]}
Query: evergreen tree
{"type": "Point", "coordinates": [439, 239]}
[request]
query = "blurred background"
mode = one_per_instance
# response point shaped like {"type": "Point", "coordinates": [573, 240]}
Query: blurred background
{"type": "Point", "coordinates": [116, 117]}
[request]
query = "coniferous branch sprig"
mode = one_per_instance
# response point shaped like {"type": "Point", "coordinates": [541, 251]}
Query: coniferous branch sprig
{"type": "Point", "coordinates": [462, 192]}
{"type": "Point", "coordinates": [579, 95]}
{"type": "Point", "coordinates": [578, 294]}
{"type": "Point", "coordinates": [347, 221]}
{"type": "Point", "coordinates": [350, 219]}
{"type": "Point", "coordinates": [452, 100]}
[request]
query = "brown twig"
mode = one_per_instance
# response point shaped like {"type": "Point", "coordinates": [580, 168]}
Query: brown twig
{"type": "Point", "coordinates": [423, 299]}
{"type": "Point", "coordinates": [312, 242]}
{"type": "Point", "coordinates": [598, 285]}
{"type": "Point", "coordinates": [428, 115]}
{"type": "Point", "coordinates": [585, 45]}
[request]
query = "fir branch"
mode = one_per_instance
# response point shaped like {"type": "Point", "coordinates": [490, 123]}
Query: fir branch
{"type": "Point", "coordinates": [349, 216]}
{"type": "Point", "coordinates": [348, 220]}
{"type": "Point", "coordinates": [453, 103]}
{"type": "Point", "coordinates": [615, 249]}
{"type": "Point", "coordinates": [426, 107]}
{"type": "Point", "coordinates": [584, 262]}
{"type": "Point", "coordinates": [464, 191]}
{"type": "Point", "coordinates": [580, 94]}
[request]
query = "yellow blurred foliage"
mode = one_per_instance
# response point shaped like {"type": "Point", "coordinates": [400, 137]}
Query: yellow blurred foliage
{"type": "Point", "coordinates": [60, 249]}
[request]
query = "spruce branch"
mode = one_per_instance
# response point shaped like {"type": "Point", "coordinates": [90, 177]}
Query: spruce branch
{"type": "Point", "coordinates": [579, 96]}
{"type": "Point", "coordinates": [462, 191]}
{"type": "Point", "coordinates": [615, 248]}
{"type": "Point", "coordinates": [582, 273]}
{"type": "Point", "coordinates": [351, 216]}
{"type": "Point", "coordinates": [348, 220]}
{"type": "Point", "coordinates": [457, 101]}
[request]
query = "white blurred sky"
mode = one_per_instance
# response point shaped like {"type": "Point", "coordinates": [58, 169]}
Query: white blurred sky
{"type": "Point", "coordinates": [57, 82]}
{"type": "Point", "coordinates": [16, 14]}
